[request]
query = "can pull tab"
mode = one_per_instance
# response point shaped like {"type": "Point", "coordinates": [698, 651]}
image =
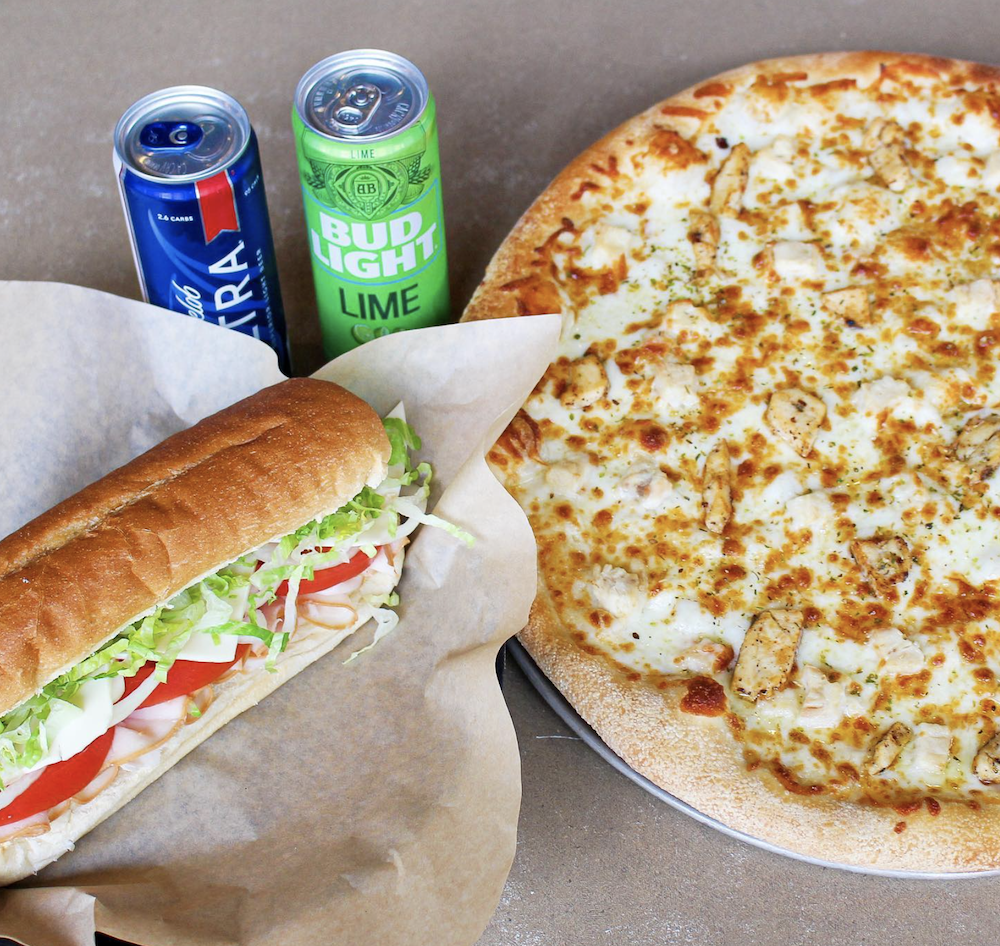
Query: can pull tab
{"type": "Point", "coordinates": [174, 135]}
{"type": "Point", "coordinates": [355, 107]}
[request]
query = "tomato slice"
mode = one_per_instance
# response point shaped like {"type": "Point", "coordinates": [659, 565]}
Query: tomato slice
{"type": "Point", "coordinates": [184, 677]}
{"type": "Point", "coordinates": [324, 578]}
{"type": "Point", "coordinates": [63, 780]}
{"type": "Point", "coordinates": [59, 781]}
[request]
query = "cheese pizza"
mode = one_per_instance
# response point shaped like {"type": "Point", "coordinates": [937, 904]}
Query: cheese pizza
{"type": "Point", "coordinates": [762, 470]}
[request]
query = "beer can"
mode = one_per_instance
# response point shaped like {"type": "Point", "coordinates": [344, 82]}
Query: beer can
{"type": "Point", "coordinates": [366, 136]}
{"type": "Point", "coordinates": [191, 186]}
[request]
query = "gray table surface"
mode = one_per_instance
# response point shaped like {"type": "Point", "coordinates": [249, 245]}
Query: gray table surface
{"type": "Point", "coordinates": [522, 86]}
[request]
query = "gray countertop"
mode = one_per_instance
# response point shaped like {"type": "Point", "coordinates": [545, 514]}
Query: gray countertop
{"type": "Point", "coordinates": [522, 87]}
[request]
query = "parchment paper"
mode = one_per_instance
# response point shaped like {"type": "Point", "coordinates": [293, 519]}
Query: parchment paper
{"type": "Point", "coordinates": [374, 803]}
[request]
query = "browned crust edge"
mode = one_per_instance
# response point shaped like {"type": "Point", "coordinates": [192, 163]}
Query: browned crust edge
{"type": "Point", "coordinates": [695, 758]}
{"type": "Point", "coordinates": [516, 257]}
{"type": "Point", "coordinates": [75, 576]}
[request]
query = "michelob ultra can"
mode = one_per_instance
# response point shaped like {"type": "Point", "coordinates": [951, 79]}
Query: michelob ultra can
{"type": "Point", "coordinates": [191, 185]}
{"type": "Point", "coordinates": [366, 136]}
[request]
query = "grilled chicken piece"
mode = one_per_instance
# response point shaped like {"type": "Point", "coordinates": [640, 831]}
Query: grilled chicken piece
{"type": "Point", "coordinates": [822, 700]}
{"type": "Point", "coordinates": [896, 652]}
{"type": "Point", "coordinates": [615, 590]}
{"type": "Point", "coordinates": [931, 752]}
{"type": "Point", "coordinates": [674, 389]}
{"type": "Point", "coordinates": [704, 236]}
{"type": "Point", "coordinates": [875, 398]}
{"type": "Point", "coordinates": [566, 478]}
{"type": "Point", "coordinates": [986, 764]}
{"type": "Point", "coordinates": [522, 437]}
{"type": "Point", "coordinates": [767, 654]}
{"type": "Point", "coordinates": [730, 182]}
{"type": "Point", "coordinates": [705, 656]}
{"type": "Point", "coordinates": [850, 304]}
{"type": "Point", "coordinates": [716, 492]}
{"type": "Point", "coordinates": [812, 511]}
{"type": "Point", "coordinates": [796, 417]}
{"type": "Point", "coordinates": [884, 142]}
{"type": "Point", "coordinates": [886, 562]}
{"type": "Point", "coordinates": [588, 383]}
{"type": "Point", "coordinates": [610, 247]}
{"type": "Point", "coordinates": [978, 446]}
{"type": "Point", "coordinates": [975, 302]}
{"type": "Point", "coordinates": [684, 314]}
{"type": "Point", "coordinates": [646, 483]}
{"type": "Point", "coordinates": [881, 132]}
{"type": "Point", "coordinates": [890, 165]}
{"type": "Point", "coordinates": [794, 259]}
{"type": "Point", "coordinates": [886, 749]}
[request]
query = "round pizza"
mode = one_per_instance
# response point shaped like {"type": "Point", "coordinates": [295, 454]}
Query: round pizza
{"type": "Point", "coordinates": [762, 470]}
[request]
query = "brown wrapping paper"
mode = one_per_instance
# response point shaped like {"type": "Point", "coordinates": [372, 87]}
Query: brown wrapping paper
{"type": "Point", "coordinates": [374, 802]}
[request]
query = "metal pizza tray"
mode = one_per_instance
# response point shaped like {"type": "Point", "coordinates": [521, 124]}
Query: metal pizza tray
{"type": "Point", "coordinates": [571, 718]}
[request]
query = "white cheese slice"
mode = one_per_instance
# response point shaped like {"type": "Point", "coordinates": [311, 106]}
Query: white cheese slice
{"type": "Point", "coordinates": [72, 726]}
{"type": "Point", "coordinates": [200, 647]}
{"type": "Point", "coordinates": [124, 707]}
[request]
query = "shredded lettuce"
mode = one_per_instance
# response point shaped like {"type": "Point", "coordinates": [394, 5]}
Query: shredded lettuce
{"type": "Point", "coordinates": [402, 439]}
{"type": "Point", "coordinates": [158, 637]}
{"type": "Point", "coordinates": [371, 518]}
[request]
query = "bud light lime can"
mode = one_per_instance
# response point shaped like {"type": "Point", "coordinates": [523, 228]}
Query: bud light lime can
{"type": "Point", "coordinates": [366, 135]}
{"type": "Point", "coordinates": [191, 185]}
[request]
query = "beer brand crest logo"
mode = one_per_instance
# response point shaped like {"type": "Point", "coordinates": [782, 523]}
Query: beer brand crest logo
{"type": "Point", "coordinates": [364, 190]}
{"type": "Point", "coordinates": [368, 191]}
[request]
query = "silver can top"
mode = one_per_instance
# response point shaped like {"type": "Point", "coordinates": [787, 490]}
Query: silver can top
{"type": "Point", "coordinates": [361, 94]}
{"type": "Point", "coordinates": [184, 133]}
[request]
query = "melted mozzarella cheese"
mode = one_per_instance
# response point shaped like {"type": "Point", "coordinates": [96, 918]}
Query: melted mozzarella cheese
{"type": "Point", "coordinates": [619, 512]}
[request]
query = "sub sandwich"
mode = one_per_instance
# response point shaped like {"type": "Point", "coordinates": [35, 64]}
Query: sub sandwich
{"type": "Point", "coordinates": [143, 613]}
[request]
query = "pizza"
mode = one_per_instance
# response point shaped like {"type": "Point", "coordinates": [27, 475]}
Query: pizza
{"type": "Point", "coordinates": [762, 470]}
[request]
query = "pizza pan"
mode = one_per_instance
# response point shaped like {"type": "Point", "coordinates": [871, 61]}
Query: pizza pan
{"type": "Point", "coordinates": [571, 718]}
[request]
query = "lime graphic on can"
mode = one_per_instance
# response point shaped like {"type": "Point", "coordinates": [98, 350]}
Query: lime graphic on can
{"type": "Point", "coordinates": [366, 137]}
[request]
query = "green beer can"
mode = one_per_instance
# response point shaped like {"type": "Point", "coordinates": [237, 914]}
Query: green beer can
{"type": "Point", "coordinates": [366, 137]}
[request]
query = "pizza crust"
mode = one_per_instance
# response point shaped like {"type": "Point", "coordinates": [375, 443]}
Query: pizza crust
{"type": "Point", "coordinates": [693, 757]}
{"type": "Point", "coordinates": [696, 759]}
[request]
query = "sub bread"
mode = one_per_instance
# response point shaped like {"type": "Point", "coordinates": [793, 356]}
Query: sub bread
{"type": "Point", "coordinates": [77, 575]}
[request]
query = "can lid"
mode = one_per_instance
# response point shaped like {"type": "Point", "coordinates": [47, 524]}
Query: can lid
{"type": "Point", "coordinates": [361, 94]}
{"type": "Point", "coordinates": [183, 133]}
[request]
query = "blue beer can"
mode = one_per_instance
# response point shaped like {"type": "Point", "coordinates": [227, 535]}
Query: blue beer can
{"type": "Point", "coordinates": [193, 193]}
